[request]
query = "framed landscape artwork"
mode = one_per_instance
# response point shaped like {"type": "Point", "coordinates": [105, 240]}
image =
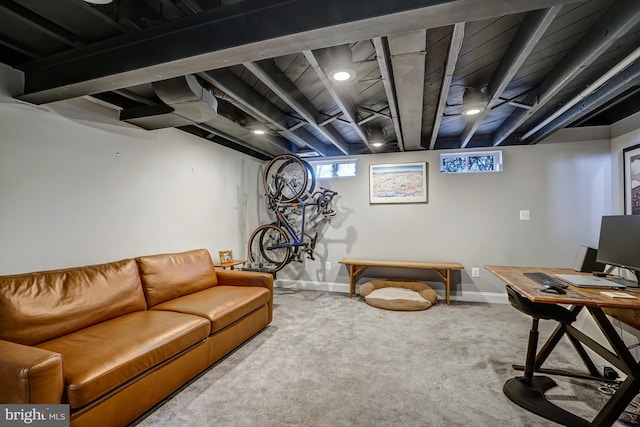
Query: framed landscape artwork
{"type": "Point", "coordinates": [398, 183]}
{"type": "Point", "coordinates": [631, 168]}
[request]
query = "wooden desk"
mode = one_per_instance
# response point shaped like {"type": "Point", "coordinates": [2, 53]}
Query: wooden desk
{"type": "Point", "coordinates": [230, 264]}
{"type": "Point", "coordinates": [357, 266]}
{"type": "Point", "coordinates": [596, 304]}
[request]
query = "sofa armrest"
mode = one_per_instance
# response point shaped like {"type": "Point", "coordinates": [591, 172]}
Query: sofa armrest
{"type": "Point", "coordinates": [29, 374]}
{"type": "Point", "coordinates": [248, 278]}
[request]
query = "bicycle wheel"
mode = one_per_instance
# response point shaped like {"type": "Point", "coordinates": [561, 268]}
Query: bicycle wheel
{"type": "Point", "coordinates": [285, 178]}
{"type": "Point", "coordinates": [311, 178]}
{"type": "Point", "coordinates": [265, 246]}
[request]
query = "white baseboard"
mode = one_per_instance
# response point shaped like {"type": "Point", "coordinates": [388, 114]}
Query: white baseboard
{"type": "Point", "coordinates": [465, 296]}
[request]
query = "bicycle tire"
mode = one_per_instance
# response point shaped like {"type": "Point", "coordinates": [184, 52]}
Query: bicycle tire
{"type": "Point", "coordinates": [285, 178]}
{"type": "Point", "coordinates": [311, 180]}
{"type": "Point", "coordinates": [261, 246]}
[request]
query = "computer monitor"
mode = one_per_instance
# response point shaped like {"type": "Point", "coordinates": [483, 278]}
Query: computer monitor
{"type": "Point", "coordinates": [620, 242]}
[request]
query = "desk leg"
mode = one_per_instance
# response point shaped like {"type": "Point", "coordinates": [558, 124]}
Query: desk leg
{"type": "Point", "coordinates": [631, 386]}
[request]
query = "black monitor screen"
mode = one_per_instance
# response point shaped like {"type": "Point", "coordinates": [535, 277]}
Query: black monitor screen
{"type": "Point", "coordinates": [620, 241]}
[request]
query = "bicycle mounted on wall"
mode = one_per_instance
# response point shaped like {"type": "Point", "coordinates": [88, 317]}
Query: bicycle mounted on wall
{"type": "Point", "coordinates": [289, 183]}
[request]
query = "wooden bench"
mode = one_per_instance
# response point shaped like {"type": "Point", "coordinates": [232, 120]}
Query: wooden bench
{"type": "Point", "coordinates": [357, 266]}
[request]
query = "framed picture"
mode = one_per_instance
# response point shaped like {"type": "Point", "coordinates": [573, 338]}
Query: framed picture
{"type": "Point", "coordinates": [398, 183]}
{"type": "Point", "coordinates": [226, 256]}
{"type": "Point", "coordinates": [631, 171]}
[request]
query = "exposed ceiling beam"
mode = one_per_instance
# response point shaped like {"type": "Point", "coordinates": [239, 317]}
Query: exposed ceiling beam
{"type": "Point", "coordinates": [227, 136]}
{"type": "Point", "coordinates": [277, 81]}
{"type": "Point", "coordinates": [620, 66]}
{"type": "Point", "coordinates": [192, 5]}
{"type": "Point", "coordinates": [262, 108]}
{"type": "Point", "coordinates": [172, 7]}
{"type": "Point", "coordinates": [19, 47]}
{"type": "Point", "coordinates": [457, 36]}
{"type": "Point", "coordinates": [614, 87]}
{"type": "Point", "coordinates": [408, 52]}
{"type": "Point", "coordinates": [271, 145]}
{"type": "Point", "coordinates": [134, 96]}
{"type": "Point", "coordinates": [340, 98]}
{"type": "Point", "coordinates": [619, 18]}
{"type": "Point", "coordinates": [531, 30]}
{"type": "Point", "coordinates": [381, 46]}
{"type": "Point", "coordinates": [186, 46]}
{"type": "Point", "coordinates": [45, 26]}
{"type": "Point", "coordinates": [628, 102]}
{"type": "Point", "coordinates": [95, 11]}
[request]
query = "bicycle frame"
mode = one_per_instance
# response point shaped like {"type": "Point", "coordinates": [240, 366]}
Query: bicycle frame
{"type": "Point", "coordinates": [282, 221]}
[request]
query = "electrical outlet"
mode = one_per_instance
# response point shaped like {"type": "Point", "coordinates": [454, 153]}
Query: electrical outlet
{"type": "Point", "coordinates": [475, 272]}
{"type": "Point", "coordinates": [525, 215]}
{"type": "Point", "coordinates": [327, 265]}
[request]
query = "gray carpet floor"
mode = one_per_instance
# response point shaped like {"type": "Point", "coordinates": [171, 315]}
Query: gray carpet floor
{"type": "Point", "coordinates": [327, 360]}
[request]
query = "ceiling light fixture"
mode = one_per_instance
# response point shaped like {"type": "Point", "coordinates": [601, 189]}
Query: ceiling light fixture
{"type": "Point", "coordinates": [473, 101]}
{"type": "Point", "coordinates": [258, 131]}
{"type": "Point", "coordinates": [340, 64]}
{"type": "Point", "coordinates": [98, 1]}
{"type": "Point", "coordinates": [376, 136]}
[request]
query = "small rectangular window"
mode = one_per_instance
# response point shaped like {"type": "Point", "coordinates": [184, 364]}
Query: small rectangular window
{"type": "Point", "coordinates": [325, 169]}
{"type": "Point", "coordinates": [483, 161]}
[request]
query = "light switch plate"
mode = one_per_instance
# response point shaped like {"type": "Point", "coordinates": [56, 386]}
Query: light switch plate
{"type": "Point", "coordinates": [525, 215]}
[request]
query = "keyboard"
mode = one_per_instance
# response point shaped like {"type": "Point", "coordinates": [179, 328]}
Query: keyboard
{"type": "Point", "coordinates": [545, 279]}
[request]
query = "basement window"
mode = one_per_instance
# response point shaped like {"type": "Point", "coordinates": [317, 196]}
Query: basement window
{"type": "Point", "coordinates": [471, 162]}
{"type": "Point", "coordinates": [334, 168]}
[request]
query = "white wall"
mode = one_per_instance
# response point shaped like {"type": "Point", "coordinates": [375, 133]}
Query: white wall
{"type": "Point", "coordinates": [82, 188]}
{"type": "Point", "coordinates": [473, 218]}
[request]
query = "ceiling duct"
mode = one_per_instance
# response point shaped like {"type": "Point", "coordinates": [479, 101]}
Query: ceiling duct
{"type": "Point", "coordinates": [186, 102]}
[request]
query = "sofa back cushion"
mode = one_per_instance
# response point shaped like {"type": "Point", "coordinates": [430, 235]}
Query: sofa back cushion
{"type": "Point", "coordinates": [169, 276]}
{"type": "Point", "coordinates": [40, 306]}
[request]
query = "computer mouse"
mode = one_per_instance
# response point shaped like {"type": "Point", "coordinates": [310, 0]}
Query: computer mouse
{"type": "Point", "coordinates": [552, 289]}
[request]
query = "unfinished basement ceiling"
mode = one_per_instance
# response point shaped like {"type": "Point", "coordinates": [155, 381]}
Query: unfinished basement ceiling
{"type": "Point", "coordinates": [222, 69]}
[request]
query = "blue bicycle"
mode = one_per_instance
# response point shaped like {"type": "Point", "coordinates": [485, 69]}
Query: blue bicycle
{"type": "Point", "coordinates": [277, 244]}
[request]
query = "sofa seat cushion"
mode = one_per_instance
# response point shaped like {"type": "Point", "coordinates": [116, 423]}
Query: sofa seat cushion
{"type": "Point", "coordinates": [102, 357]}
{"type": "Point", "coordinates": [222, 305]}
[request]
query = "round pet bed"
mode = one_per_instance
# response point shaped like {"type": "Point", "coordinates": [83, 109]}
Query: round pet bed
{"type": "Point", "coordinates": [398, 295]}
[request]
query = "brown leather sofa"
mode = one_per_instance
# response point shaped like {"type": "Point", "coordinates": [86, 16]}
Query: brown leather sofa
{"type": "Point", "coordinates": [112, 340]}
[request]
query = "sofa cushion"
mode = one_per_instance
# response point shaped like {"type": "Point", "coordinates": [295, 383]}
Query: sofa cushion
{"type": "Point", "coordinates": [222, 305]}
{"type": "Point", "coordinates": [40, 306]}
{"type": "Point", "coordinates": [168, 276]}
{"type": "Point", "coordinates": [102, 357]}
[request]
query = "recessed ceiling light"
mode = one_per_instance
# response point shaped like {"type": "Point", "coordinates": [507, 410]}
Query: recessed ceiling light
{"type": "Point", "coordinates": [377, 144]}
{"type": "Point", "coordinates": [339, 64]}
{"type": "Point", "coordinates": [473, 100]}
{"type": "Point", "coordinates": [342, 75]}
{"type": "Point", "coordinates": [258, 131]}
